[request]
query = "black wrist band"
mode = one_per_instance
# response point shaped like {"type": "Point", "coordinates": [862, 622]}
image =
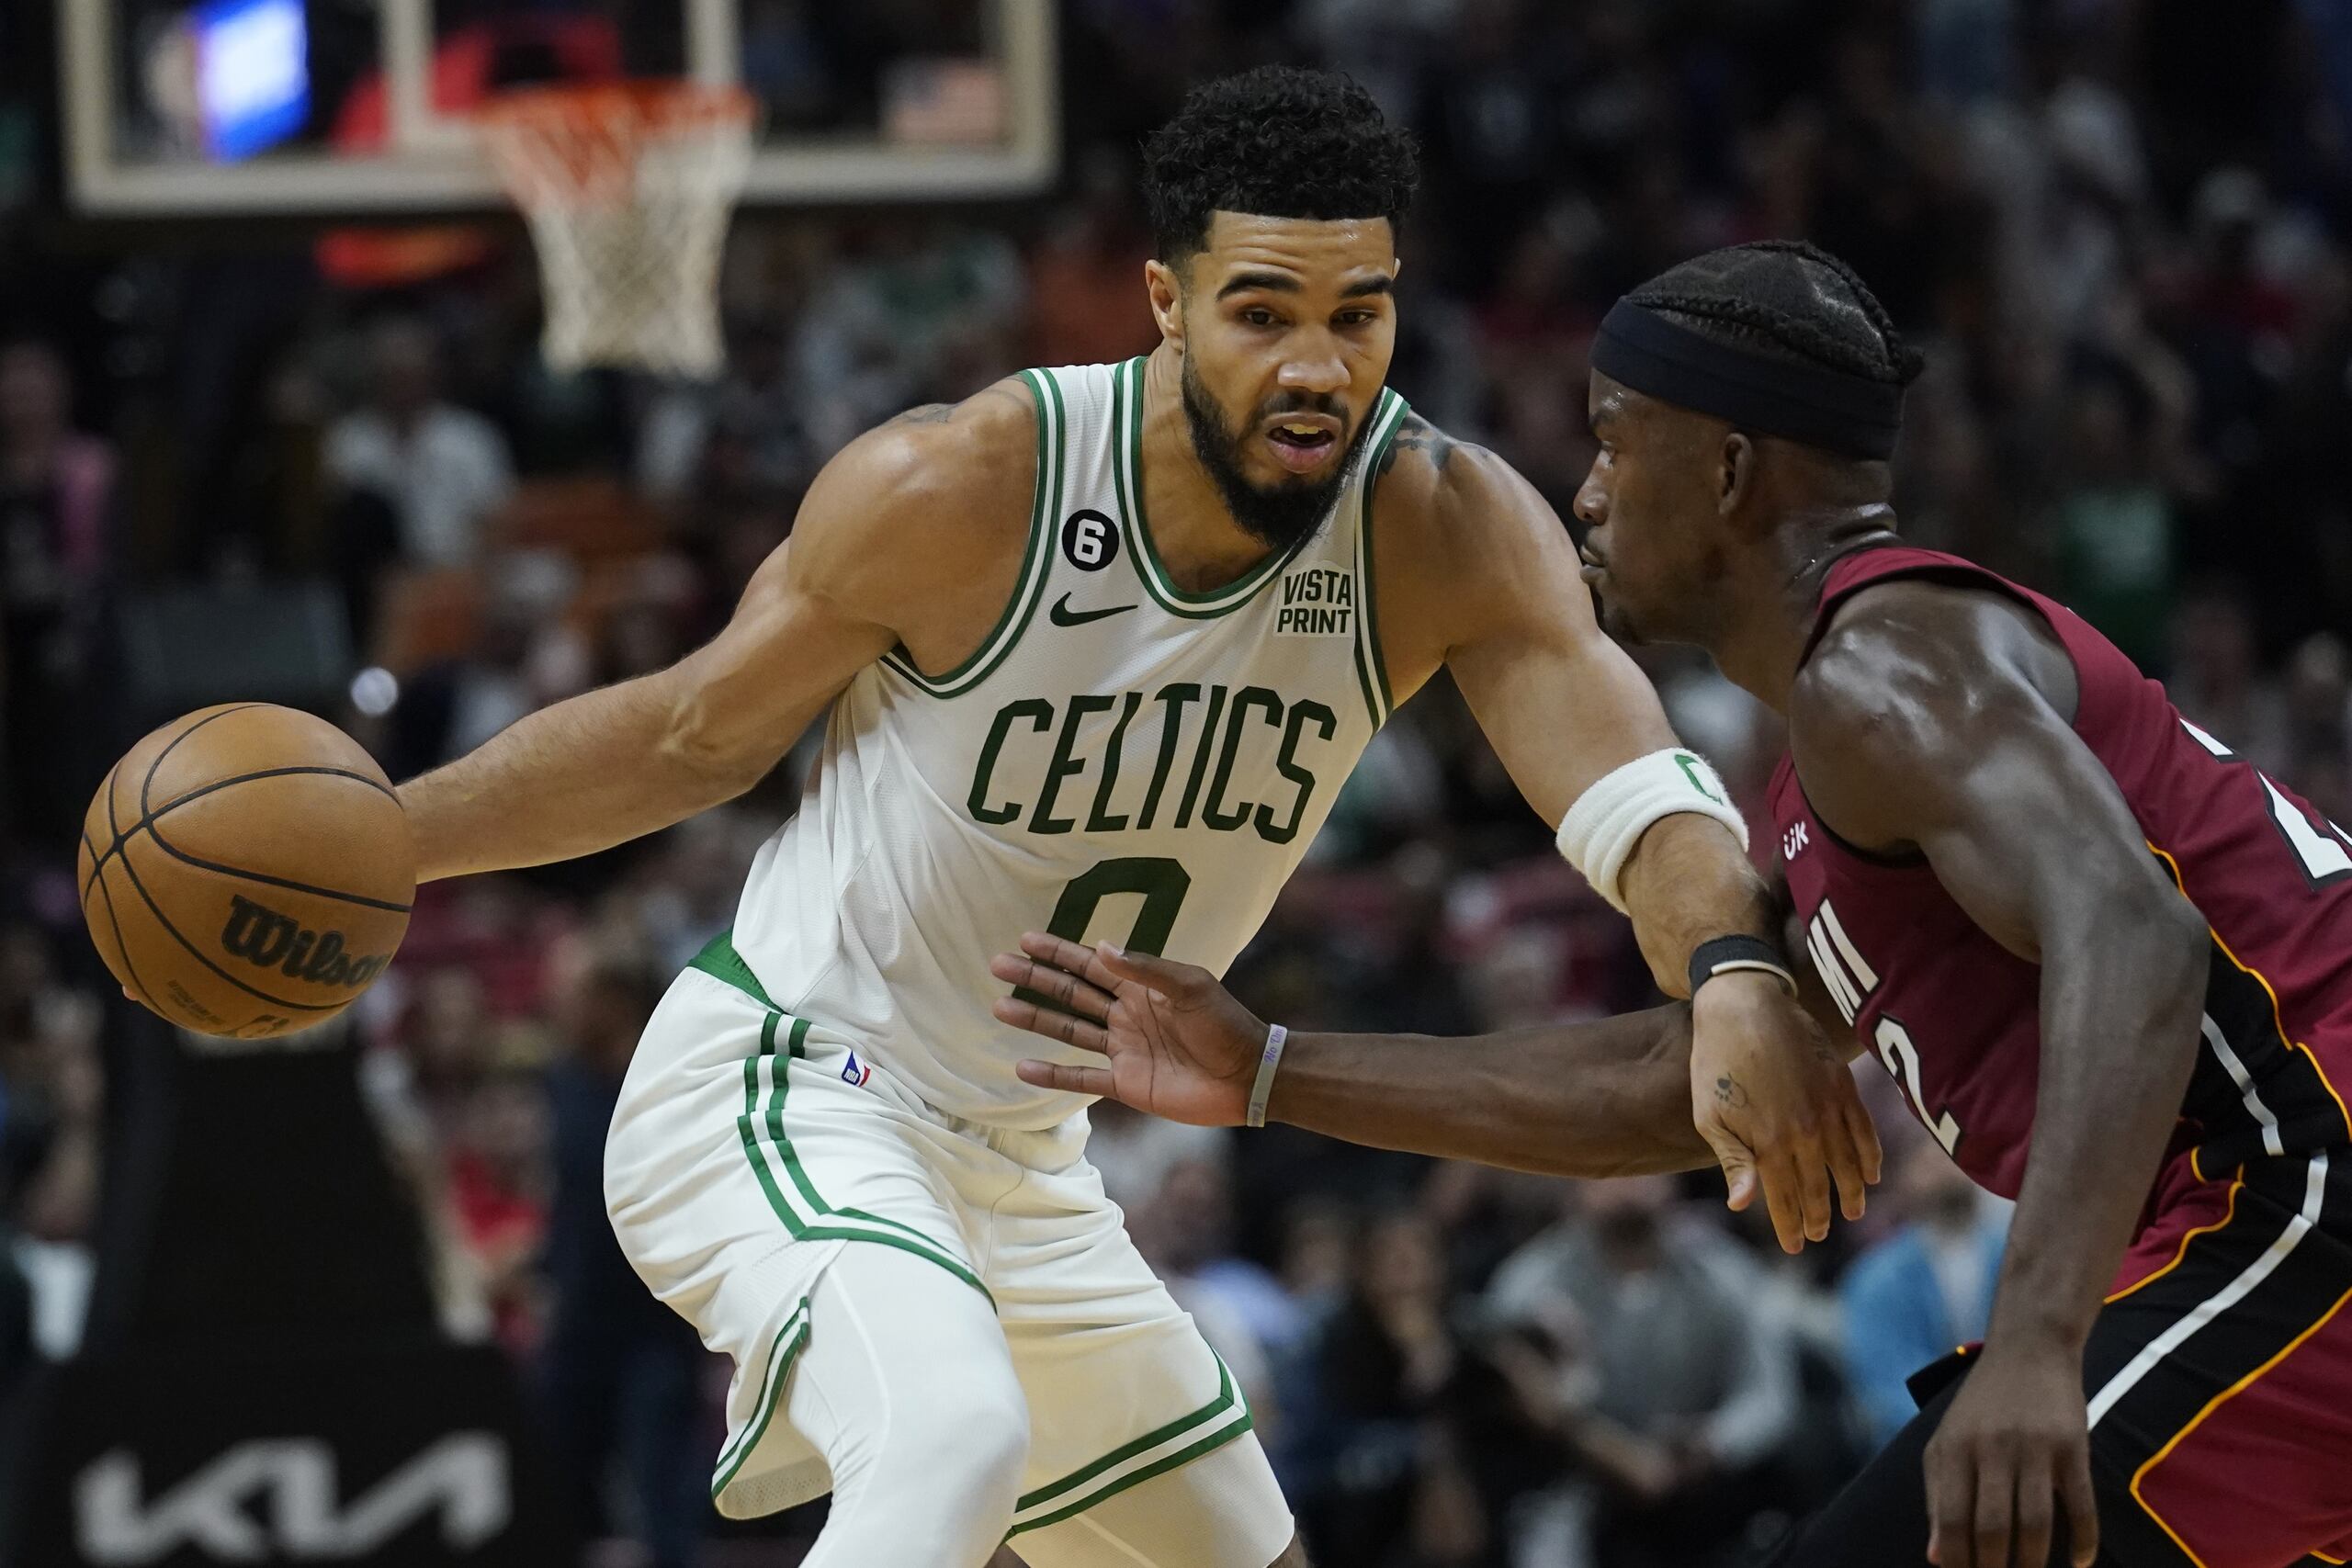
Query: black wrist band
{"type": "Point", "coordinates": [1717, 955]}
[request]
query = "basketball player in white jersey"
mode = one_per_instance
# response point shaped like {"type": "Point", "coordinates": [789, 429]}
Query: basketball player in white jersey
{"type": "Point", "coordinates": [1098, 647]}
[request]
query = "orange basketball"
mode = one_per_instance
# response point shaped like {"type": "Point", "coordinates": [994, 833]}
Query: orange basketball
{"type": "Point", "coordinates": [247, 871]}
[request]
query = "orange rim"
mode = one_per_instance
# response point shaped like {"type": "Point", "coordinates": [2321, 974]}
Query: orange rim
{"type": "Point", "coordinates": [564, 142]}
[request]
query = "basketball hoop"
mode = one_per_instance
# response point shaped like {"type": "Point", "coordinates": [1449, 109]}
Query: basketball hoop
{"type": "Point", "coordinates": [628, 189]}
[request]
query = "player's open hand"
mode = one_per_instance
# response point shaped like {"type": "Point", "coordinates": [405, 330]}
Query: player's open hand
{"type": "Point", "coordinates": [1174, 1041]}
{"type": "Point", "coordinates": [1777, 1107]}
{"type": "Point", "coordinates": [2011, 1456]}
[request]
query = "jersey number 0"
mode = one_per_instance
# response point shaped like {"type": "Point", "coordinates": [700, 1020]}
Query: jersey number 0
{"type": "Point", "coordinates": [1163, 883]}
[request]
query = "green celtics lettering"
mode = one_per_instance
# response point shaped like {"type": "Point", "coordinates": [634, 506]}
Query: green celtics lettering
{"type": "Point", "coordinates": [1090, 776]}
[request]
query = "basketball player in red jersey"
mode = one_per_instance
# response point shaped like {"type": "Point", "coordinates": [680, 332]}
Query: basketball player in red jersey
{"type": "Point", "coordinates": [2108, 962]}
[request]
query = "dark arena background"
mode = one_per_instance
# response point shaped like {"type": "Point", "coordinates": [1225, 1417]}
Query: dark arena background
{"type": "Point", "coordinates": [276, 424]}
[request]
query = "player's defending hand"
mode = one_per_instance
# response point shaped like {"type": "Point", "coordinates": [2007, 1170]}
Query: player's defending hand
{"type": "Point", "coordinates": [1779, 1107]}
{"type": "Point", "coordinates": [2010, 1462]}
{"type": "Point", "coordinates": [1174, 1041]}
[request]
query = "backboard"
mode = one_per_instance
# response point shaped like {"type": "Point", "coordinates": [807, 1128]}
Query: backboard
{"type": "Point", "coordinates": [345, 109]}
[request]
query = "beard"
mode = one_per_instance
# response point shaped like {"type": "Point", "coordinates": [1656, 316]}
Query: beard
{"type": "Point", "coordinates": [1278, 515]}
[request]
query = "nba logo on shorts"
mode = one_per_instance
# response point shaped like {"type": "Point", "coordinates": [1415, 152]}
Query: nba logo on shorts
{"type": "Point", "coordinates": [854, 1072]}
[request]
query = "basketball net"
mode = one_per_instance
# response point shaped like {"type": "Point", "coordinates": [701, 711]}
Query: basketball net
{"type": "Point", "coordinates": [628, 189]}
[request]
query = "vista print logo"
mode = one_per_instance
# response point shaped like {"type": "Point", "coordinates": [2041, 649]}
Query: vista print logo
{"type": "Point", "coordinates": [1317, 600]}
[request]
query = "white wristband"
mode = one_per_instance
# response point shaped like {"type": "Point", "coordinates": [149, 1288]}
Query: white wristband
{"type": "Point", "coordinates": [1600, 832]}
{"type": "Point", "coordinates": [1271, 1058]}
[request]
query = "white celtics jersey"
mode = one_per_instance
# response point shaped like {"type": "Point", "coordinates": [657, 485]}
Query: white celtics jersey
{"type": "Point", "coordinates": [1120, 761]}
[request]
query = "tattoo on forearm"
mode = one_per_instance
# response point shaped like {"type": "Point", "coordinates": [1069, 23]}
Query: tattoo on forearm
{"type": "Point", "coordinates": [1729, 1092]}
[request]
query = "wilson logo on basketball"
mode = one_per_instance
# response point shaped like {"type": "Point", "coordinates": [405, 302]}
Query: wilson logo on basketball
{"type": "Point", "coordinates": [266, 939]}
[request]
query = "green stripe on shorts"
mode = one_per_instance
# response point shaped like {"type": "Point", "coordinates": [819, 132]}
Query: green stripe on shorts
{"type": "Point", "coordinates": [790, 1340]}
{"type": "Point", "coordinates": [1218, 1422]}
{"type": "Point", "coordinates": [823, 1222]}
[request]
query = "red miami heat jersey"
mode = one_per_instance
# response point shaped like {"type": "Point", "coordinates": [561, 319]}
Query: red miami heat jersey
{"type": "Point", "coordinates": [1955, 1017]}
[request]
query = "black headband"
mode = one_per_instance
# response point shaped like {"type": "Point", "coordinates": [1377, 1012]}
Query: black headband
{"type": "Point", "coordinates": [1851, 414]}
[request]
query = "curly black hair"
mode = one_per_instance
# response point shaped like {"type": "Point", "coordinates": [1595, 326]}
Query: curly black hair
{"type": "Point", "coordinates": [1274, 143]}
{"type": "Point", "coordinates": [1786, 300]}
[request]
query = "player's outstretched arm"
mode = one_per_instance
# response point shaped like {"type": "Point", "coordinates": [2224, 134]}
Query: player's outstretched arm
{"type": "Point", "coordinates": [1492, 591]}
{"type": "Point", "coordinates": [1609, 1098]}
{"type": "Point", "coordinates": [1941, 720]}
{"type": "Point", "coordinates": [889, 524]}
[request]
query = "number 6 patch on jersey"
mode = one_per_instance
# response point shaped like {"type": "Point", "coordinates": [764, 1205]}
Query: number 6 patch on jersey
{"type": "Point", "coordinates": [1090, 540]}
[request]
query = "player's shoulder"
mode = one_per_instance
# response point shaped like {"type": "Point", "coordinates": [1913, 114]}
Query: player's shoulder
{"type": "Point", "coordinates": [1897, 645]}
{"type": "Point", "coordinates": [944, 484]}
{"type": "Point", "coordinates": [1457, 515]}
{"type": "Point", "coordinates": [1426, 475]}
{"type": "Point", "coordinates": [1468, 549]}
{"type": "Point", "coordinates": [1878, 714]}
{"type": "Point", "coordinates": [1893, 661]}
{"type": "Point", "coordinates": [1912, 670]}
{"type": "Point", "coordinates": [972, 449]}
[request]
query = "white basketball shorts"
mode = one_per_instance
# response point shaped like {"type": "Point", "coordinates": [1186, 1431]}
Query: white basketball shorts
{"type": "Point", "coordinates": [750, 1146]}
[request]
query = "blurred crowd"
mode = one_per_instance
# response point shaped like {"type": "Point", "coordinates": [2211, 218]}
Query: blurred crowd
{"type": "Point", "coordinates": [2122, 230]}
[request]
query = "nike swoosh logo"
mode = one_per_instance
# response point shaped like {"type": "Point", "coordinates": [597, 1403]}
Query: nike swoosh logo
{"type": "Point", "coordinates": [1061, 614]}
